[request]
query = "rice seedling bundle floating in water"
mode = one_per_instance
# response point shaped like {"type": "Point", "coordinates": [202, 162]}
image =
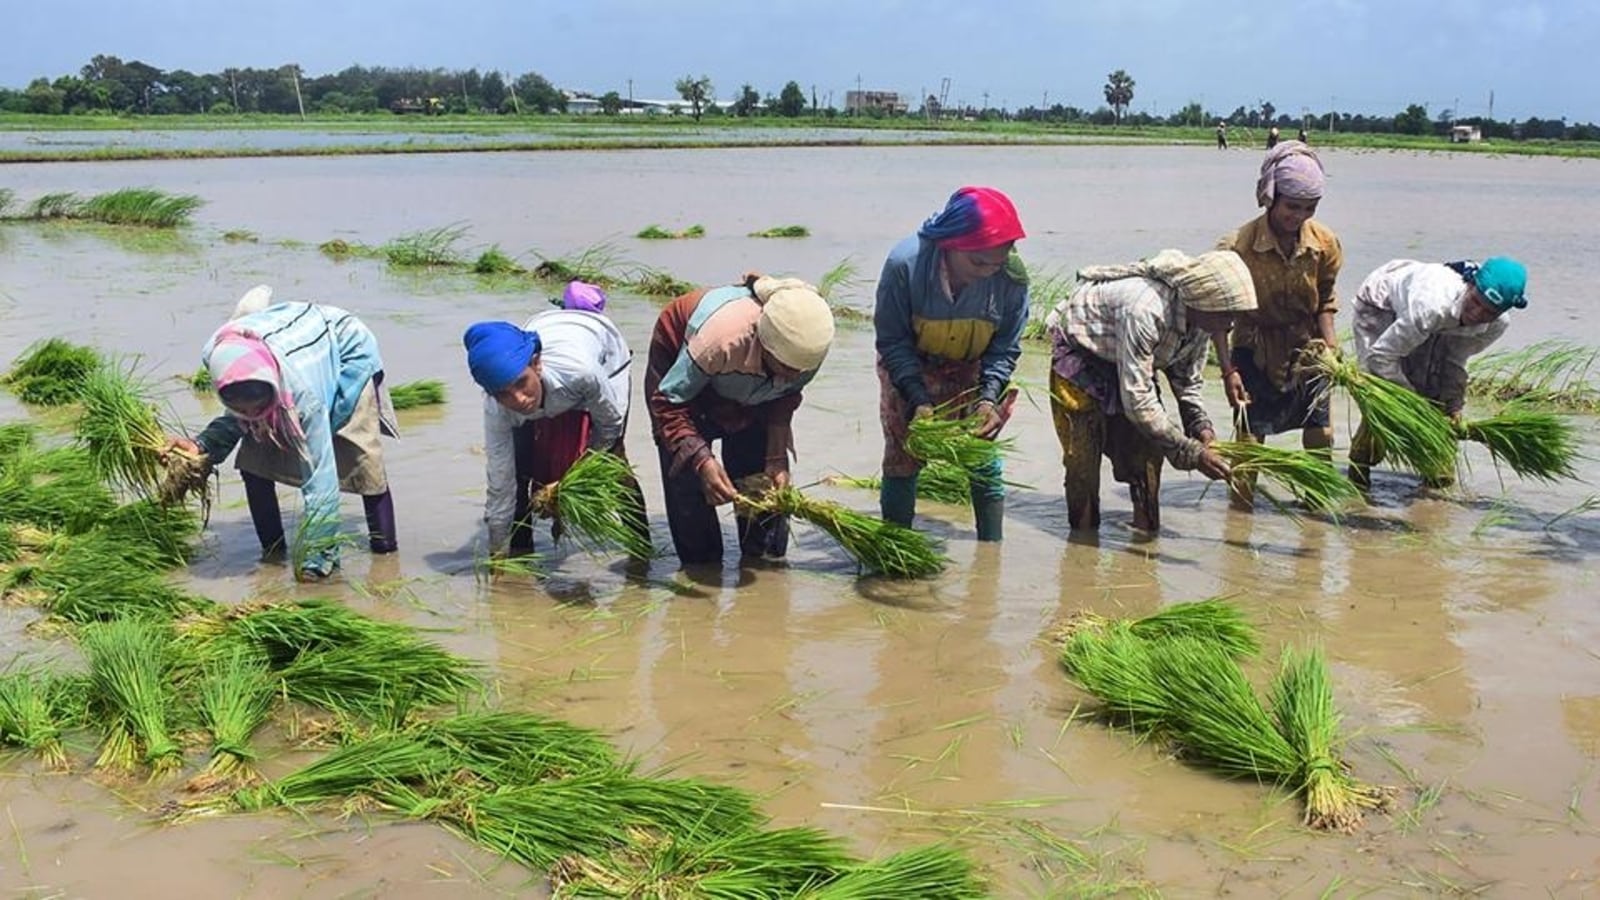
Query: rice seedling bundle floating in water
{"type": "Point", "coordinates": [925, 873]}
{"type": "Point", "coordinates": [36, 708]}
{"type": "Point", "coordinates": [140, 206]}
{"type": "Point", "coordinates": [1552, 373]}
{"type": "Point", "coordinates": [57, 489]}
{"type": "Point", "coordinates": [52, 372]}
{"type": "Point", "coordinates": [877, 546]}
{"type": "Point", "coordinates": [597, 503]}
{"type": "Point", "coordinates": [99, 576]}
{"type": "Point", "coordinates": [1409, 427]}
{"type": "Point", "coordinates": [508, 748]}
{"type": "Point", "coordinates": [1310, 478]}
{"type": "Point", "coordinates": [236, 695]}
{"type": "Point", "coordinates": [427, 392]}
{"type": "Point", "coordinates": [1533, 443]}
{"type": "Point", "coordinates": [1302, 706]}
{"type": "Point", "coordinates": [783, 231]}
{"type": "Point", "coordinates": [128, 663]}
{"type": "Point", "coordinates": [777, 863]}
{"type": "Point", "coordinates": [378, 681]}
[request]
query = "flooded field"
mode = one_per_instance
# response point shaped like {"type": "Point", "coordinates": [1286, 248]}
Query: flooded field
{"type": "Point", "coordinates": [1462, 628]}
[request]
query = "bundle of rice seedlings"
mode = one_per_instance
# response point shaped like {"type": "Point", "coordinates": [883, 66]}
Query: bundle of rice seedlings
{"type": "Point", "coordinates": [426, 392]}
{"type": "Point", "coordinates": [352, 769]}
{"type": "Point", "coordinates": [780, 863]}
{"type": "Point", "coordinates": [55, 205]}
{"type": "Point", "coordinates": [35, 709]}
{"type": "Point", "coordinates": [657, 233]}
{"type": "Point", "coordinates": [1311, 479]}
{"type": "Point", "coordinates": [121, 432]}
{"type": "Point", "coordinates": [877, 546]}
{"type": "Point", "coordinates": [602, 264]}
{"type": "Point", "coordinates": [169, 531]}
{"type": "Point", "coordinates": [948, 438]}
{"type": "Point", "coordinates": [509, 748]}
{"type": "Point", "coordinates": [782, 231]}
{"type": "Point", "coordinates": [1409, 427]}
{"type": "Point", "coordinates": [1534, 444]}
{"type": "Point", "coordinates": [926, 873]}
{"type": "Point", "coordinates": [52, 372]}
{"type": "Point", "coordinates": [99, 577]}
{"type": "Point", "coordinates": [940, 481]}
{"type": "Point", "coordinates": [597, 504]}
{"type": "Point", "coordinates": [1214, 715]}
{"type": "Point", "coordinates": [283, 631]}
{"type": "Point", "coordinates": [128, 662]}
{"type": "Point", "coordinates": [15, 437]}
{"type": "Point", "coordinates": [648, 282]}
{"type": "Point", "coordinates": [539, 824]}
{"type": "Point", "coordinates": [1547, 373]}
{"type": "Point", "coordinates": [1302, 707]}
{"type": "Point", "coordinates": [140, 206]}
{"type": "Point", "coordinates": [494, 261]}
{"type": "Point", "coordinates": [378, 681]}
{"type": "Point", "coordinates": [235, 697]}
{"type": "Point", "coordinates": [1116, 668]}
{"type": "Point", "coordinates": [680, 807]}
{"type": "Point", "coordinates": [1214, 619]}
{"type": "Point", "coordinates": [57, 489]}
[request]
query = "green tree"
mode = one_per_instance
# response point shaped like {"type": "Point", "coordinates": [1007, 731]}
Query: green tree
{"type": "Point", "coordinates": [1119, 92]}
{"type": "Point", "coordinates": [791, 100]}
{"type": "Point", "coordinates": [1413, 121]}
{"type": "Point", "coordinates": [1191, 115]}
{"type": "Point", "coordinates": [695, 92]}
{"type": "Point", "coordinates": [40, 97]}
{"type": "Point", "coordinates": [748, 103]}
{"type": "Point", "coordinates": [537, 93]}
{"type": "Point", "coordinates": [611, 103]}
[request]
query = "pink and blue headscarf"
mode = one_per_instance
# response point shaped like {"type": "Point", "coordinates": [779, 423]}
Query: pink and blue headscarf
{"type": "Point", "coordinates": [1290, 169]}
{"type": "Point", "coordinates": [975, 218]}
{"type": "Point", "coordinates": [239, 355]}
{"type": "Point", "coordinates": [498, 352]}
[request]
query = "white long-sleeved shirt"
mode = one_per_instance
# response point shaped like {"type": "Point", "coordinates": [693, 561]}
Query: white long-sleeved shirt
{"type": "Point", "coordinates": [1401, 307]}
{"type": "Point", "coordinates": [584, 363]}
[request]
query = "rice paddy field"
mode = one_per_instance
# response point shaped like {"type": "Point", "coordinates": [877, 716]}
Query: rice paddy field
{"type": "Point", "coordinates": [1458, 626]}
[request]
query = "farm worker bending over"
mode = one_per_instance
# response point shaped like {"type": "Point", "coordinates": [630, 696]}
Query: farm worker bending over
{"type": "Point", "coordinates": [1417, 323]}
{"type": "Point", "coordinates": [1294, 261]}
{"type": "Point", "coordinates": [303, 385]}
{"type": "Point", "coordinates": [952, 302]}
{"type": "Point", "coordinates": [555, 387]}
{"type": "Point", "coordinates": [1120, 326]}
{"type": "Point", "coordinates": [729, 364]}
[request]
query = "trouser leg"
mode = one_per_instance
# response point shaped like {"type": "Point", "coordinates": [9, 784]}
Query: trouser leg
{"type": "Point", "coordinates": [696, 532]}
{"type": "Point", "coordinates": [1081, 432]}
{"type": "Point", "coordinates": [1145, 489]}
{"type": "Point", "coordinates": [897, 499]}
{"type": "Point", "coordinates": [380, 522]}
{"type": "Point", "coordinates": [261, 495]}
{"type": "Point", "coordinates": [744, 453]}
{"type": "Point", "coordinates": [522, 514]}
{"type": "Point", "coordinates": [1366, 451]}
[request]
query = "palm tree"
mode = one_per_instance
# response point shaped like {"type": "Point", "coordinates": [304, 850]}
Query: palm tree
{"type": "Point", "coordinates": [1119, 92]}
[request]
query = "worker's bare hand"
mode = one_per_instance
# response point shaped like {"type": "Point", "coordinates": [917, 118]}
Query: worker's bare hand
{"type": "Point", "coordinates": [1213, 466]}
{"type": "Point", "coordinates": [715, 484]}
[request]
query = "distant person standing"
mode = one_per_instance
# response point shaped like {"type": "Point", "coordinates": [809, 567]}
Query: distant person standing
{"type": "Point", "coordinates": [1222, 135]}
{"type": "Point", "coordinates": [1272, 137]}
{"type": "Point", "coordinates": [1302, 137]}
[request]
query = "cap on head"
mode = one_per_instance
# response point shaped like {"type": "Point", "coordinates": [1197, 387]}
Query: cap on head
{"type": "Point", "coordinates": [796, 324]}
{"type": "Point", "coordinates": [1503, 282]}
{"type": "Point", "coordinates": [497, 352]}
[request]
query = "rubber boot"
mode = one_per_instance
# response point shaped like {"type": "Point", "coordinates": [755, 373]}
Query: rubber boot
{"type": "Point", "coordinates": [990, 512]}
{"type": "Point", "coordinates": [897, 499]}
{"type": "Point", "coordinates": [381, 534]}
{"type": "Point", "coordinates": [261, 495]}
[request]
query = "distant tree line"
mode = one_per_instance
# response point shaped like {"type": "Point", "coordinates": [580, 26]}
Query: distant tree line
{"type": "Point", "coordinates": [109, 85]}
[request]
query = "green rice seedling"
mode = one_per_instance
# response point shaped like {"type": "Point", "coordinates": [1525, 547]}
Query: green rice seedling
{"type": "Point", "coordinates": [412, 394]}
{"type": "Point", "coordinates": [782, 231]}
{"type": "Point", "coordinates": [1302, 707]}
{"type": "Point", "coordinates": [58, 205]}
{"type": "Point", "coordinates": [838, 281]}
{"type": "Point", "coordinates": [429, 248]}
{"type": "Point", "coordinates": [7, 196]}
{"type": "Point", "coordinates": [948, 437]}
{"type": "Point", "coordinates": [200, 381]}
{"type": "Point", "coordinates": [285, 630]}
{"type": "Point", "coordinates": [679, 807]}
{"type": "Point", "coordinates": [99, 577]}
{"type": "Point", "coordinates": [1311, 479]}
{"type": "Point", "coordinates": [10, 547]}
{"type": "Point", "coordinates": [170, 531]}
{"type": "Point", "coordinates": [539, 824]}
{"type": "Point", "coordinates": [1214, 620]}
{"type": "Point", "coordinates": [1407, 425]}
{"type": "Point", "coordinates": [317, 540]}
{"type": "Point", "coordinates": [508, 748]}
{"type": "Point", "coordinates": [52, 372]}
{"type": "Point", "coordinates": [1116, 668]}
{"type": "Point", "coordinates": [877, 546]}
{"type": "Point", "coordinates": [656, 283]}
{"type": "Point", "coordinates": [377, 680]}
{"type": "Point", "coordinates": [598, 504]}
{"type": "Point", "coordinates": [121, 432]}
{"type": "Point", "coordinates": [36, 708]}
{"type": "Point", "coordinates": [235, 697]}
{"type": "Point", "coordinates": [1214, 715]}
{"type": "Point", "coordinates": [1533, 443]}
{"type": "Point", "coordinates": [1553, 373]}
{"type": "Point", "coordinates": [58, 489]}
{"type": "Point", "coordinates": [494, 261]}
{"type": "Point", "coordinates": [336, 248]}
{"type": "Point", "coordinates": [657, 233]}
{"type": "Point", "coordinates": [240, 236]}
{"type": "Point", "coordinates": [780, 863]}
{"type": "Point", "coordinates": [601, 264]}
{"type": "Point", "coordinates": [352, 769]}
{"type": "Point", "coordinates": [16, 438]}
{"type": "Point", "coordinates": [128, 664]}
{"type": "Point", "coordinates": [926, 873]}
{"type": "Point", "coordinates": [940, 481]}
{"type": "Point", "coordinates": [145, 207]}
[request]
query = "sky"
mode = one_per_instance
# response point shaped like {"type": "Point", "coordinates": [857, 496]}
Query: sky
{"type": "Point", "coordinates": [1367, 56]}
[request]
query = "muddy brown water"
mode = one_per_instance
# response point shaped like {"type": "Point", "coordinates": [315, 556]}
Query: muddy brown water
{"type": "Point", "coordinates": [1463, 633]}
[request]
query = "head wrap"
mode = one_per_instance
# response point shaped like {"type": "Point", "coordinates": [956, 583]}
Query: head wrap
{"type": "Point", "coordinates": [975, 218]}
{"type": "Point", "coordinates": [1502, 280]}
{"type": "Point", "coordinates": [584, 296]}
{"type": "Point", "coordinates": [1290, 169]}
{"type": "Point", "coordinates": [1218, 281]}
{"type": "Point", "coordinates": [238, 354]}
{"type": "Point", "coordinates": [254, 300]}
{"type": "Point", "coordinates": [796, 324]}
{"type": "Point", "coordinates": [497, 352]}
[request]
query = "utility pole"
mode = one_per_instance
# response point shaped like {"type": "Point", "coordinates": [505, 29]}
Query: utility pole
{"type": "Point", "coordinates": [1331, 102]}
{"type": "Point", "coordinates": [813, 99]}
{"type": "Point", "coordinates": [464, 99]}
{"type": "Point", "coordinates": [860, 101]}
{"type": "Point", "coordinates": [630, 93]}
{"type": "Point", "coordinates": [294, 72]}
{"type": "Point", "coordinates": [515, 103]}
{"type": "Point", "coordinates": [233, 79]}
{"type": "Point", "coordinates": [1491, 104]}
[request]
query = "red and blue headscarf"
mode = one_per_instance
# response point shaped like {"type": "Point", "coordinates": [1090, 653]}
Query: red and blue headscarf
{"type": "Point", "coordinates": [975, 218]}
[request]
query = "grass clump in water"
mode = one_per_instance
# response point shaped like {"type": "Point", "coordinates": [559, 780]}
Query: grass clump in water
{"type": "Point", "coordinates": [58, 205]}
{"type": "Point", "coordinates": [1533, 443]}
{"type": "Point", "coordinates": [877, 546]}
{"type": "Point", "coordinates": [1553, 373]}
{"type": "Point", "coordinates": [657, 233]}
{"type": "Point", "coordinates": [1311, 479]}
{"type": "Point", "coordinates": [52, 372]}
{"type": "Point", "coordinates": [145, 207]}
{"type": "Point", "coordinates": [782, 231]}
{"type": "Point", "coordinates": [494, 261]}
{"type": "Point", "coordinates": [597, 502]}
{"type": "Point", "coordinates": [430, 248]}
{"type": "Point", "coordinates": [412, 394]}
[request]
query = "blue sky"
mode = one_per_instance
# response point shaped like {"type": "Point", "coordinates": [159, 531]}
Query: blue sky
{"type": "Point", "coordinates": [1357, 55]}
